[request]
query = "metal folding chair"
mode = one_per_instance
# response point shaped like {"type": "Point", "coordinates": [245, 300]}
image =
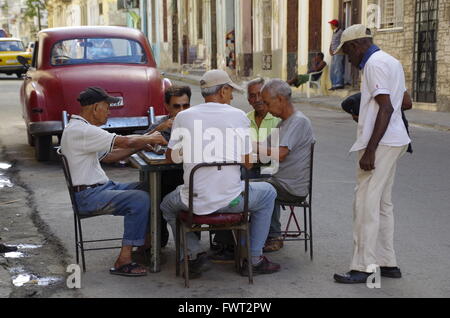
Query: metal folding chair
{"type": "Point", "coordinates": [187, 222]}
{"type": "Point", "coordinates": [297, 234]}
{"type": "Point", "coordinates": [79, 242]}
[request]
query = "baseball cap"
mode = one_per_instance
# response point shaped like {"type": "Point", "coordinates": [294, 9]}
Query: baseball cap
{"type": "Point", "coordinates": [217, 77]}
{"type": "Point", "coordinates": [92, 95]}
{"type": "Point", "coordinates": [334, 22]}
{"type": "Point", "coordinates": [354, 32]}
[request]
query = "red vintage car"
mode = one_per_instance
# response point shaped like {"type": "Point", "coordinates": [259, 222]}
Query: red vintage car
{"type": "Point", "coordinates": [68, 60]}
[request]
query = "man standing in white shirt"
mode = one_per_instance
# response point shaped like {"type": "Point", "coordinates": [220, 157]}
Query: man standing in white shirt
{"type": "Point", "coordinates": [382, 139]}
{"type": "Point", "coordinates": [85, 145]}
{"type": "Point", "coordinates": [207, 133]}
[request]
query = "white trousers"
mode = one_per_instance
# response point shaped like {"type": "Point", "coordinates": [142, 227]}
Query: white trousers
{"type": "Point", "coordinates": [373, 211]}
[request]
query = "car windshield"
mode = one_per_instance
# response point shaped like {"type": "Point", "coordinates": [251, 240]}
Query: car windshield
{"type": "Point", "coordinates": [11, 46]}
{"type": "Point", "coordinates": [97, 50]}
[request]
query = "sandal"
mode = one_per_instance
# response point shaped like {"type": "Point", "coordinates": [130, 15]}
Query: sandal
{"type": "Point", "coordinates": [127, 270]}
{"type": "Point", "coordinates": [273, 245]}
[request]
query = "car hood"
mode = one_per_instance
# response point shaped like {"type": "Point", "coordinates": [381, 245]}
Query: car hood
{"type": "Point", "coordinates": [129, 82]}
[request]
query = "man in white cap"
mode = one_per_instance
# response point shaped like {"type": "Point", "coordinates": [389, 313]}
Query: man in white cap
{"type": "Point", "coordinates": [381, 140]}
{"type": "Point", "coordinates": [220, 125]}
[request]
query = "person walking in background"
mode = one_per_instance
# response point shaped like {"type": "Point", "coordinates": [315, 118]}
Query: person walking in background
{"type": "Point", "coordinates": [337, 62]}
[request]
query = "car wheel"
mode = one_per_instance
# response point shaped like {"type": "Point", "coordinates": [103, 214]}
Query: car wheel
{"type": "Point", "coordinates": [42, 147]}
{"type": "Point", "coordinates": [30, 139]}
{"type": "Point", "coordinates": [19, 75]}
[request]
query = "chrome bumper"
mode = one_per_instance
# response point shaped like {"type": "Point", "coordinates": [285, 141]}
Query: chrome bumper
{"type": "Point", "coordinates": [114, 125]}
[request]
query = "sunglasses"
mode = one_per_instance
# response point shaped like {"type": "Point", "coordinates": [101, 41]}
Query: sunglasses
{"type": "Point", "coordinates": [179, 106]}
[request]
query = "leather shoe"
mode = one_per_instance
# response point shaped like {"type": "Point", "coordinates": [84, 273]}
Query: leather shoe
{"type": "Point", "coordinates": [391, 272]}
{"type": "Point", "coordinates": [263, 267]}
{"type": "Point", "coordinates": [352, 277]}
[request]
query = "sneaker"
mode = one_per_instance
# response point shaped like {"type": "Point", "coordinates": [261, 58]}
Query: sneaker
{"type": "Point", "coordinates": [223, 256]}
{"type": "Point", "coordinates": [263, 267]}
{"type": "Point", "coordinates": [273, 245]}
{"type": "Point", "coordinates": [199, 265]}
{"type": "Point", "coordinates": [391, 272]}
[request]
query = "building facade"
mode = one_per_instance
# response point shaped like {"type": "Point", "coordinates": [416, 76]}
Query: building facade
{"type": "Point", "coordinates": [417, 32]}
{"type": "Point", "coordinates": [14, 20]}
{"type": "Point", "coordinates": [279, 38]}
{"type": "Point", "coordinates": [88, 12]}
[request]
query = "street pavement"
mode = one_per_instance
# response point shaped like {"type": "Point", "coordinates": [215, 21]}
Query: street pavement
{"type": "Point", "coordinates": [422, 209]}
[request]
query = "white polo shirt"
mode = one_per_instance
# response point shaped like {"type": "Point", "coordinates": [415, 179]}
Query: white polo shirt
{"type": "Point", "coordinates": [84, 146]}
{"type": "Point", "coordinates": [382, 74]}
{"type": "Point", "coordinates": [201, 132]}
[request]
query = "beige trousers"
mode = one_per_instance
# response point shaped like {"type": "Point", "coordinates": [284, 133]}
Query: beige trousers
{"type": "Point", "coordinates": [373, 211]}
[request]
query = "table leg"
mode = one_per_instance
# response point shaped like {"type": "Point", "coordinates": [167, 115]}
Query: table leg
{"type": "Point", "coordinates": [155, 221]}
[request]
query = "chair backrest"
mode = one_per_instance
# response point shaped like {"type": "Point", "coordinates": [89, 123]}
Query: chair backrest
{"type": "Point", "coordinates": [311, 168]}
{"type": "Point", "coordinates": [68, 178]}
{"type": "Point", "coordinates": [219, 166]}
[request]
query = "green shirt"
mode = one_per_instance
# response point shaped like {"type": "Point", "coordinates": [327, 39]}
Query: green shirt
{"type": "Point", "coordinates": [268, 123]}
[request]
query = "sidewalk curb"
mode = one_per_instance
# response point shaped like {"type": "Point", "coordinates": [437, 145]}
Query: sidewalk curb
{"type": "Point", "coordinates": [193, 80]}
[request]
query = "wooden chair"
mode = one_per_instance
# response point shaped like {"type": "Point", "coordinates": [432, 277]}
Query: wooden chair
{"type": "Point", "coordinates": [188, 221]}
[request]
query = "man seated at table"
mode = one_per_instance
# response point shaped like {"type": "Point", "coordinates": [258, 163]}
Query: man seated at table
{"type": "Point", "coordinates": [293, 153]}
{"type": "Point", "coordinates": [217, 190]}
{"type": "Point", "coordinates": [176, 99]}
{"type": "Point", "coordinates": [85, 145]}
{"type": "Point", "coordinates": [261, 124]}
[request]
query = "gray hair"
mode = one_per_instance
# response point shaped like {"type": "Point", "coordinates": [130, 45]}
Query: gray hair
{"type": "Point", "coordinates": [256, 81]}
{"type": "Point", "coordinates": [209, 91]}
{"type": "Point", "coordinates": [278, 87]}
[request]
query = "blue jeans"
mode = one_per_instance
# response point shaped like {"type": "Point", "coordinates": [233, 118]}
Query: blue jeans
{"type": "Point", "coordinates": [261, 202]}
{"type": "Point", "coordinates": [337, 70]}
{"type": "Point", "coordinates": [119, 199]}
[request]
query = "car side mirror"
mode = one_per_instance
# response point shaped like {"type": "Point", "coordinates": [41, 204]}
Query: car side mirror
{"type": "Point", "coordinates": [22, 60]}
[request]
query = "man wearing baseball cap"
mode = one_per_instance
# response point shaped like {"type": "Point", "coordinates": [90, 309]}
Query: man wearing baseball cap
{"type": "Point", "coordinates": [337, 62]}
{"type": "Point", "coordinates": [225, 136]}
{"type": "Point", "coordinates": [382, 139]}
{"type": "Point", "coordinates": [85, 145]}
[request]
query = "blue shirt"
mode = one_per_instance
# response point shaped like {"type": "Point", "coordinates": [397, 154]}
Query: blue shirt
{"type": "Point", "coordinates": [367, 55]}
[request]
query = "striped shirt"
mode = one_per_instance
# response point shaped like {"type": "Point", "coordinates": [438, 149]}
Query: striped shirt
{"type": "Point", "coordinates": [336, 40]}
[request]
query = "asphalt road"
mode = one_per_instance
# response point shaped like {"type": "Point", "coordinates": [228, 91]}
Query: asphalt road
{"type": "Point", "coordinates": [422, 208]}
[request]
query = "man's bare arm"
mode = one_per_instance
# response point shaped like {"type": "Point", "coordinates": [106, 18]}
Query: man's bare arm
{"type": "Point", "coordinates": [283, 152]}
{"type": "Point", "coordinates": [407, 102]}
{"type": "Point", "coordinates": [139, 142]}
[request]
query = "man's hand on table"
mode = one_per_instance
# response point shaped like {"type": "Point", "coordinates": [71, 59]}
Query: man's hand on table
{"type": "Point", "coordinates": [156, 139]}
